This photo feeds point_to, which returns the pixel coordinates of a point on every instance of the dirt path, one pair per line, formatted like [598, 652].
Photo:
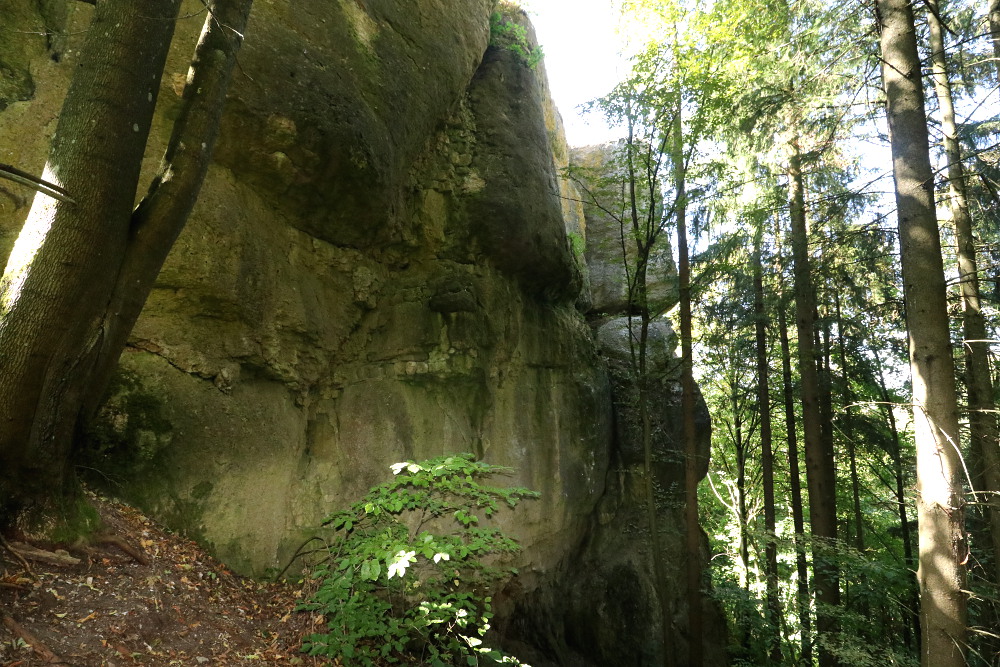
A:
[165, 603]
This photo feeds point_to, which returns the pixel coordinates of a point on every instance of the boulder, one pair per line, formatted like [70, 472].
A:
[602, 607]
[385, 263]
[609, 247]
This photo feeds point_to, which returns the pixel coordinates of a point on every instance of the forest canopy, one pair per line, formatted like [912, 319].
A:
[836, 170]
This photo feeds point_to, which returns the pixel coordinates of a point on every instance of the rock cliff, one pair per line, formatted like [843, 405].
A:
[384, 264]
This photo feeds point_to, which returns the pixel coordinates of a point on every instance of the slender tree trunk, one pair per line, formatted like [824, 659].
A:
[164, 211]
[994, 18]
[643, 235]
[819, 461]
[983, 436]
[774, 610]
[741, 486]
[795, 484]
[859, 529]
[904, 521]
[692, 458]
[824, 346]
[848, 398]
[940, 506]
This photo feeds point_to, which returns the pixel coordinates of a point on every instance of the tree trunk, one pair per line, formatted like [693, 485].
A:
[904, 522]
[983, 436]
[774, 611]
[819, 461]
[823, 348]
[55, 290]
[848, 398]
[71, 305]
[795, 484]
[741, 486]
[163, 212]
[940, 509]
[994, 17]
[692, 459]
[644, 236]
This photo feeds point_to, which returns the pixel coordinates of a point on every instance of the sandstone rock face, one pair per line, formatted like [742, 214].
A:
[376, 271]
[608, 240]
[602, 608]
[385, 263]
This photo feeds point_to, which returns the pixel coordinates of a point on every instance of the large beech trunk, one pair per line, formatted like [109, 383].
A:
[940, 506]
[80, 272]
[63, 268]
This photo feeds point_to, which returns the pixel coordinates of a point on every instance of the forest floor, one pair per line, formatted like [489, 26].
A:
[142, 596]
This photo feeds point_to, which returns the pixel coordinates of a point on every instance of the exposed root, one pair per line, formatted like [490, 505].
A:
[36, 645]
[26, 551]
[13, 586]
[19, 557]
[136, 555]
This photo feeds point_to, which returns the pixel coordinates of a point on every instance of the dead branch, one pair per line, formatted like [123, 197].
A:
[19, 557]
[26, 551]
[136, 555]
[37, 646]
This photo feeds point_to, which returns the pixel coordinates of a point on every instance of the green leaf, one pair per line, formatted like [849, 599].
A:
[364, 629]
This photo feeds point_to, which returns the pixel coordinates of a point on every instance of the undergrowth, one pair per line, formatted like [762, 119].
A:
[408, 574]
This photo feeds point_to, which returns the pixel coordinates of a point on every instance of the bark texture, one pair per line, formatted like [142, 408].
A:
[994, 18]
[943, 549]
[983, 436]
[55, 290]
[795, 489]
[819, 457]
[692, 464]
[92, 264]
[767, 452]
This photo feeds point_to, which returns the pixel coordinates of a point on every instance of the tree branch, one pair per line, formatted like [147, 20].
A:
[161, 215]
[24, 178]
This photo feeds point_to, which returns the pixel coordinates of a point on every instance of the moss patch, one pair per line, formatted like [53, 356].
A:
[74, 521]
[128, 432]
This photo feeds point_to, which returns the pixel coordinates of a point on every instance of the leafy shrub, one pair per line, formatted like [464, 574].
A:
[404, 578]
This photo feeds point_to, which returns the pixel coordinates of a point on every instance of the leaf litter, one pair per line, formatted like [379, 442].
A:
[143, 596]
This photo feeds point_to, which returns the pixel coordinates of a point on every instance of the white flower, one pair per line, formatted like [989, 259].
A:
[400, 562]
[438, 557]
[397, 468]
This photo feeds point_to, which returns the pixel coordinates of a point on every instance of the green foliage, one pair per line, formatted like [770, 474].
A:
[129, 430]
[748, 627]
[408, 574]
[506, 33]
[75, 519]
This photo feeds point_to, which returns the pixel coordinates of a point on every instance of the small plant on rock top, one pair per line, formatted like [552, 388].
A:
[507, 33]
[404, 578]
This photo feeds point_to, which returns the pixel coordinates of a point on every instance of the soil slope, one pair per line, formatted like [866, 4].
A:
[142, 596]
